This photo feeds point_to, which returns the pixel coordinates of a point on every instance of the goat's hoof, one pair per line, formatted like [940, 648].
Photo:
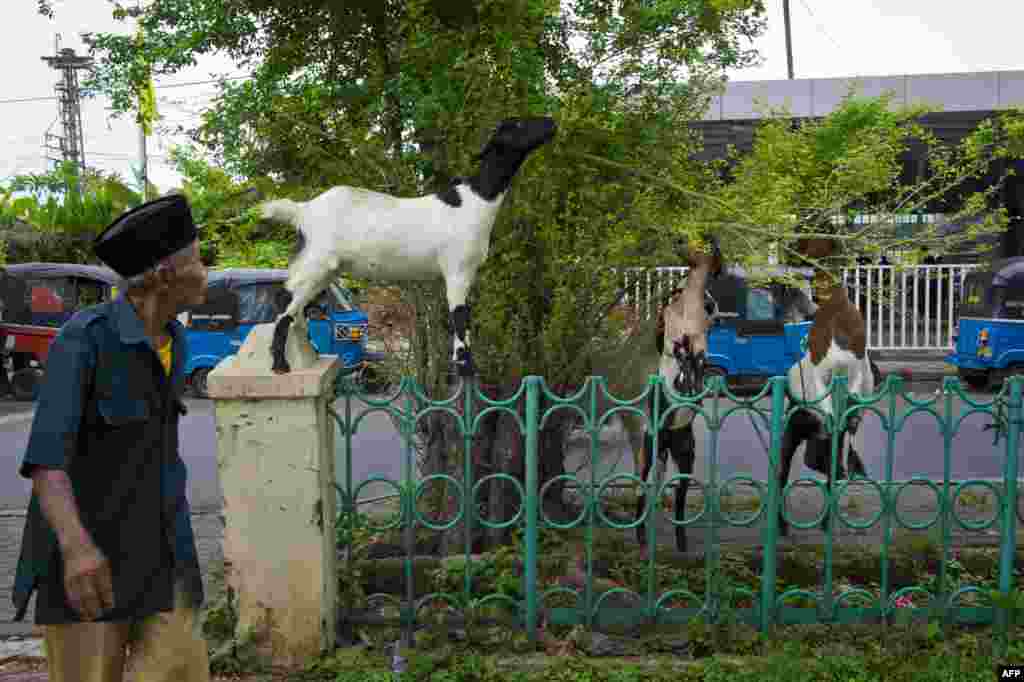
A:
[280, 365]
[277, 345]
[855, 465]
[464, 362]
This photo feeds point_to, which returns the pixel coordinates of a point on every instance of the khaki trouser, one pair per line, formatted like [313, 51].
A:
[165, 647]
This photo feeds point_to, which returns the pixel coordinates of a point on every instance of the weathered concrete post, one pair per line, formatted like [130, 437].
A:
[275, 454]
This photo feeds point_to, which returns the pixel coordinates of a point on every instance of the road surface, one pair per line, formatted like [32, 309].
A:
[378, 450]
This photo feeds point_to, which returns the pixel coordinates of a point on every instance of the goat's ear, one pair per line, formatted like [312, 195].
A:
[483, 152]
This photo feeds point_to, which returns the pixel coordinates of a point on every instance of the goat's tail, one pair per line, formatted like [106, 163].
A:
[285, 210]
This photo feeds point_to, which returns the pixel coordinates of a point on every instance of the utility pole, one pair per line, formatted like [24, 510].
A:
[143, 159]
[789, 38]
[143, 156]
[71, 145]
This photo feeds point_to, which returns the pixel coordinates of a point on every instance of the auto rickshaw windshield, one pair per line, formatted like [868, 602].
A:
[342, 298]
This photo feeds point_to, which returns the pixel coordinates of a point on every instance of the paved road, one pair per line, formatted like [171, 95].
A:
[198, 449]
[378, 450]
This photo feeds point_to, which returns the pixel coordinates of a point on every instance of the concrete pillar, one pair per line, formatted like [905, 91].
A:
[275, 454]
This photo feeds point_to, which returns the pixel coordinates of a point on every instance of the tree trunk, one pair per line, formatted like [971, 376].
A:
[1013, 198]
[507, 457]
[551, 463]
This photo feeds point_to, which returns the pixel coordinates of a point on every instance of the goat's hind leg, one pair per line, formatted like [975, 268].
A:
[684, 452]
[791, 439]
[646, 458]
[303, 293]
[277, 346]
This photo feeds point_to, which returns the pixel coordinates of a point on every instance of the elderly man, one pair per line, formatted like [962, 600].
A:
[108, 541]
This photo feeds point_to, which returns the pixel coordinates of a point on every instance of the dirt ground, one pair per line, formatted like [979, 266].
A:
[34, 670]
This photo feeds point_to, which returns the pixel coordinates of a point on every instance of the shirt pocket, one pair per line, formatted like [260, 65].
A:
[124, 410]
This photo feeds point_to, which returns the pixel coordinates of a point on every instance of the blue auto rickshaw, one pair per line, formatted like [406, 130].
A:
[238, 299]
[761, 322]
[988, 341]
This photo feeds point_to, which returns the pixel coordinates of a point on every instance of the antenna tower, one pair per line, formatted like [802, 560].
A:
[70, 146]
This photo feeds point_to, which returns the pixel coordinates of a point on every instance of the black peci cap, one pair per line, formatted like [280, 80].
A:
[143, 236]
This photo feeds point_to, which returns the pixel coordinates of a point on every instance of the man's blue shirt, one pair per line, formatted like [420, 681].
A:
[111, 331]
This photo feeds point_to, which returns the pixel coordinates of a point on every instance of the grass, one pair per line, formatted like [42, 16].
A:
[726, 650]
[795, 654]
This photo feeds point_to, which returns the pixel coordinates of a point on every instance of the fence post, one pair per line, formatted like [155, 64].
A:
[532, 513]
[1008, 550]
[770, 558]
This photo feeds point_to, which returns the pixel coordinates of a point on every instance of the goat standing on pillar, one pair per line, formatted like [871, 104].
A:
[379, 236]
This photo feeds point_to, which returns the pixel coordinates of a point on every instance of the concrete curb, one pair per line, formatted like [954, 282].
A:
[22, 629]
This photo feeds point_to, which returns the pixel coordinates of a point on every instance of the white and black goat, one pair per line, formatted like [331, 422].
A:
[378, 236]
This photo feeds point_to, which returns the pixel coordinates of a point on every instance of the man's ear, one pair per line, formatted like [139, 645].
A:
[166, 277]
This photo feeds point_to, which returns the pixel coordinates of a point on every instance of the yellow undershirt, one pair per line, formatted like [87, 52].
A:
[165, 356]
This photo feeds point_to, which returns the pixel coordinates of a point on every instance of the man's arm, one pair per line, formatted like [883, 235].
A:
[57, 501]
[51, 446]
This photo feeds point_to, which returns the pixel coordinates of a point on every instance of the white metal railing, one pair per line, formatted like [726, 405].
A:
[904, 309]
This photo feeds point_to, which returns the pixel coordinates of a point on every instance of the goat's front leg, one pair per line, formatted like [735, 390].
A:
[862, 382]
[806, 385]
[818, 389]
[458, 288]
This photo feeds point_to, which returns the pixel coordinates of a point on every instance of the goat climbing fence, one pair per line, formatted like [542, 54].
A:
[904, 308]
[535, 599]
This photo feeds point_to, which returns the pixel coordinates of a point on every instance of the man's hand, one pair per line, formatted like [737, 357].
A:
[87, 576]
[87, 580]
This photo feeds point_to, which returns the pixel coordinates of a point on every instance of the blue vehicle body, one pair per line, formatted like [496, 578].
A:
[757, 332]
[239, 299]
[988, 344]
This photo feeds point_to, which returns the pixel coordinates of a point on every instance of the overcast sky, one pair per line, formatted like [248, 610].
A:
[831, 38]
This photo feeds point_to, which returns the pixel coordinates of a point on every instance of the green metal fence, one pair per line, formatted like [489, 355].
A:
[534, 403]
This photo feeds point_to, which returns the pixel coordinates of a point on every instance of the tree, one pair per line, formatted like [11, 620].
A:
[812, 179]
[63, 209]
[398, 95]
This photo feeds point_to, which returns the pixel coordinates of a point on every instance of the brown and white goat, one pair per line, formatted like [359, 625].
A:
[837, 340]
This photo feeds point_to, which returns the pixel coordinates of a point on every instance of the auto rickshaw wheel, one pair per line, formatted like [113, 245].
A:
[1015, 369]
[198, 382]
[25, 383]
[374, 380]
[979, 381]
[877, 374]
